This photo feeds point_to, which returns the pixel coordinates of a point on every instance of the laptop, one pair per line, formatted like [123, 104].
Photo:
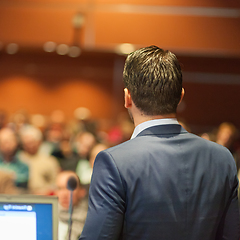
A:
[28, 217]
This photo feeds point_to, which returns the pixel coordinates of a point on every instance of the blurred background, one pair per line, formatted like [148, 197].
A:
[61, 90]
[68, 56]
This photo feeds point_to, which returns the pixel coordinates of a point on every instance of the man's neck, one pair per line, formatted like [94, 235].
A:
[143, 118]
[139, 117]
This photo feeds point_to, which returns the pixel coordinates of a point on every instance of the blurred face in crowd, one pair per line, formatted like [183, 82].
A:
[8, 142]
[54, 134]
[30, 144]
[95, 150]
[65, 147]
[84, 143]
[225, 135]
[64, 194]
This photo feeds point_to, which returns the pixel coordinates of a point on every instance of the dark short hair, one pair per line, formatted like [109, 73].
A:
[154, 78]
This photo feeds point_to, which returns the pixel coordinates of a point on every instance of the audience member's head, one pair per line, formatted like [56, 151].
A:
[31, 139]
[94, 152]
[84, 142]
[54, 133]
[8, 143]
[226, 134]
[19, 119]
[63, 192]
[205, 135]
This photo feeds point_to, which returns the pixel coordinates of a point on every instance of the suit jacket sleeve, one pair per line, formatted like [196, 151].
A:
[106, 201]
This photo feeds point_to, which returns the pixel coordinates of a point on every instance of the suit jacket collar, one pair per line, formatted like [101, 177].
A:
[169, 129]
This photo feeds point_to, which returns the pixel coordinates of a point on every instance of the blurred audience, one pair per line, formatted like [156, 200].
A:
[208, 136]
[19, 119]
[84, 141]
[7, 183]
[85, 167]
[67, 157]
[35, 148]
[9, 161]
[122, 130]
[79, 203]
[226, 135]
[83, 122]
[43, 169]
[53, 135]
[53, 132]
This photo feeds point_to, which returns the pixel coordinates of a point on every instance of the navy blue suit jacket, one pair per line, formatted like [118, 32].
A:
[164, 184]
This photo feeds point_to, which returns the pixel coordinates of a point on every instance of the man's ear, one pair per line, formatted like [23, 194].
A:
[182, 95]
[127, 98]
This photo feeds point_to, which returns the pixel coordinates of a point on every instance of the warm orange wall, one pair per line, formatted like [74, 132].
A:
[41, 82]
[173, 32]
[19, 92]
[106, 24]
[213, 3]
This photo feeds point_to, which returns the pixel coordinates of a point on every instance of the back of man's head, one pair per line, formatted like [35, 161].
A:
[154, 78]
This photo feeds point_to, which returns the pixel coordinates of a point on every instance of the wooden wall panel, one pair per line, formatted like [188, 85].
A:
[41, 83]
[202, 3]
[206, 27]
[208, 105]
[204, 35]
[33, 26]
[19, 92]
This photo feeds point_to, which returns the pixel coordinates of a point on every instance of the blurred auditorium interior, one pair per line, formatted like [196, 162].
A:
[66, 54]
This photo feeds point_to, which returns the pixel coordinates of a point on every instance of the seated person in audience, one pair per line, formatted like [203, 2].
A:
[43, 169]
[85, 167]
[52, 135]
[83, 143]
[207, 135]
[67, 158]
[79, 202]
[7, 183]
[9, 161]
[226, 136]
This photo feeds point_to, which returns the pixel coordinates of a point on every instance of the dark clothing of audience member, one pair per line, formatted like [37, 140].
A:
[9, 160]
[67, 158]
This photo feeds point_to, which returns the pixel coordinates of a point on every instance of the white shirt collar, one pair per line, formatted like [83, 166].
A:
[139, 128]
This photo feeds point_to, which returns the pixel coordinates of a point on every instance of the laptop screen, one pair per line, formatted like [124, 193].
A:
[28, 217]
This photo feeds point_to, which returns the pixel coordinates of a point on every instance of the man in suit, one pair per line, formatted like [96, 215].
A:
[164, 183]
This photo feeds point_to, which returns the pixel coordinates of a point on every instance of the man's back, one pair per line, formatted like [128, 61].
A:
[165, 185]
